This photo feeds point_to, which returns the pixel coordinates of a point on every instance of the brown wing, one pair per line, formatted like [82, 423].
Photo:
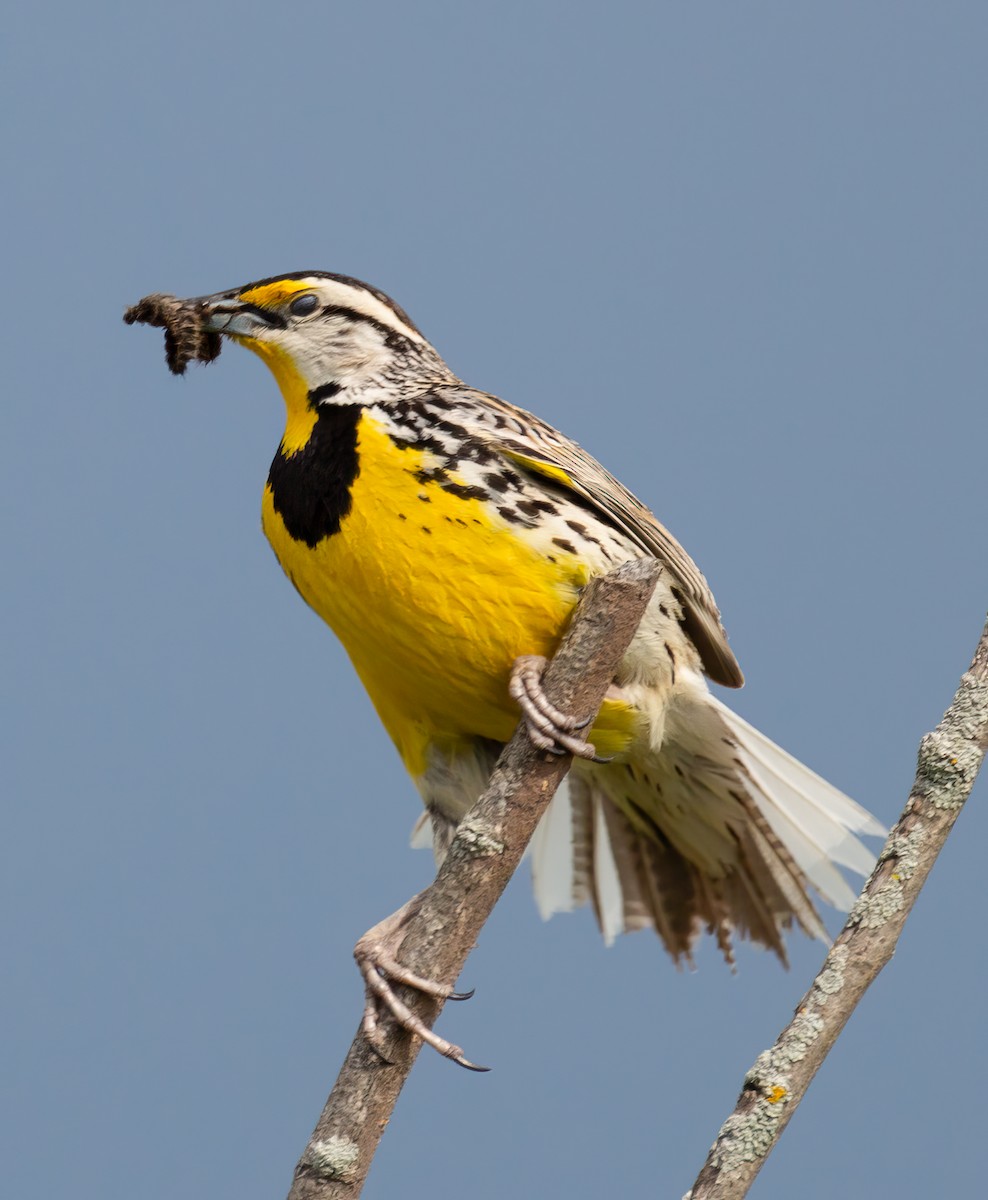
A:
[536, 447]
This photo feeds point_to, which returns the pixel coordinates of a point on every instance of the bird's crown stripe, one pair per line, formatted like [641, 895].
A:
[270, 295]
[336, 294]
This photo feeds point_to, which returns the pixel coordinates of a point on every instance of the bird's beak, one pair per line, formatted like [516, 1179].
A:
[227, 313]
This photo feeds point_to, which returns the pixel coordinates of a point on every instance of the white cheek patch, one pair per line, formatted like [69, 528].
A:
[334, 347]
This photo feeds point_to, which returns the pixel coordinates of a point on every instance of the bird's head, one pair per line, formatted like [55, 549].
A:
[323, 333]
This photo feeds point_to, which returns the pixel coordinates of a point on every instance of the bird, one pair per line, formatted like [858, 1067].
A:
[445, 536]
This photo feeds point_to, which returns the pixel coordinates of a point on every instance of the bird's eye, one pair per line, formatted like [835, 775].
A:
[301, 306]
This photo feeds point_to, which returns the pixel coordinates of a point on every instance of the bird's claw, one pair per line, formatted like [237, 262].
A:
[549, 728]
[382, 973]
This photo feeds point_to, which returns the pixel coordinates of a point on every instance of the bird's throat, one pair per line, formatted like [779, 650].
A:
[300, 413]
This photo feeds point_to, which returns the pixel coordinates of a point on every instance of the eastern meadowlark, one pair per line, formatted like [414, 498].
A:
[445, 536]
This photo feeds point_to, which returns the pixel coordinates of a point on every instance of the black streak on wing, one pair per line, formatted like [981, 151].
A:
[311, 488]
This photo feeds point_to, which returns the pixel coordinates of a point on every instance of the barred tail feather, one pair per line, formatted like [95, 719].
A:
[720, 830]
[575, 858]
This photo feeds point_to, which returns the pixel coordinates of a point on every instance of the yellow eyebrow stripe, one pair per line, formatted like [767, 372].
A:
[270, 295]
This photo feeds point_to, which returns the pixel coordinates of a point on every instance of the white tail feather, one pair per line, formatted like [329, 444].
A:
[607, 881]
[551, 850]
[814, 820]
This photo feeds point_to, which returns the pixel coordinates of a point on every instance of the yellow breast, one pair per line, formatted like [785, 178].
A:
[433, 595]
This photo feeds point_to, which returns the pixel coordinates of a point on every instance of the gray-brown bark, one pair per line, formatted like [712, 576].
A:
[949, 760]
[488, 846]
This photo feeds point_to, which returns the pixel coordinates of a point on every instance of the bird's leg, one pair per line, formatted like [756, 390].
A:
[548, 727]
[375, 955]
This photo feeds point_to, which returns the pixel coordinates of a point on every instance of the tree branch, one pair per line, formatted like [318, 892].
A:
[949, 760]
[488, 846]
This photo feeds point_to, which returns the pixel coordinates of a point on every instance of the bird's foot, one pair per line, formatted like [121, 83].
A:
[549, 728]
[375, 956]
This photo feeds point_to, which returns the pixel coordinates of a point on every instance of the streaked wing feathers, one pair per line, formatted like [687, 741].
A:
[535, 446]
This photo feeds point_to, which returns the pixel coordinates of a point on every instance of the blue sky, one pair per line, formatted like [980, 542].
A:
[737, 251]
